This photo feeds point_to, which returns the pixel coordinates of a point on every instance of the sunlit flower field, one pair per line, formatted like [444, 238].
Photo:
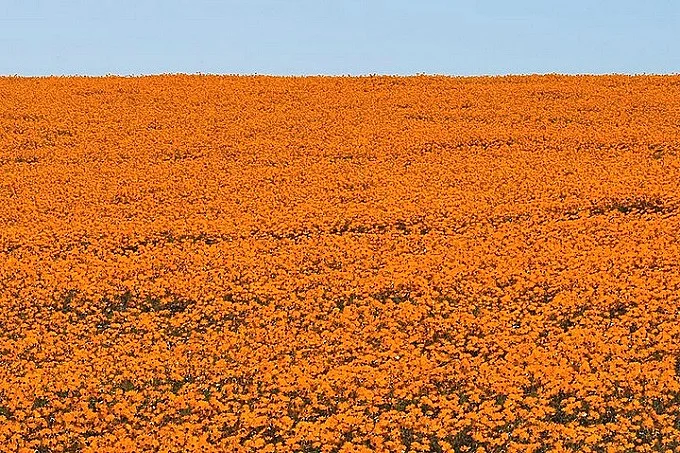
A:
[320, 264]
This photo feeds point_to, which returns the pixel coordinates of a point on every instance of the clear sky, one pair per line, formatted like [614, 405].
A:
[42, 37]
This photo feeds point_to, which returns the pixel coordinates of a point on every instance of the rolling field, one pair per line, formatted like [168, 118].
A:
[421, 264]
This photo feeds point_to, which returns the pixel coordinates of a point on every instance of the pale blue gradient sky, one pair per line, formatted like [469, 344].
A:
[292, 37]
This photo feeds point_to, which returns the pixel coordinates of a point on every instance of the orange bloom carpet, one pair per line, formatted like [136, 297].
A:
[419, 264]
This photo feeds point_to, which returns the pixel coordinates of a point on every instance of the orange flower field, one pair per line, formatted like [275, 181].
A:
[340, 264]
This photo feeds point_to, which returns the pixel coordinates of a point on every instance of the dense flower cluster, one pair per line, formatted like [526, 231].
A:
[201, 263]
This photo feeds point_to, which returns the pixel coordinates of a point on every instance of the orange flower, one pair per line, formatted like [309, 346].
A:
[204, 263]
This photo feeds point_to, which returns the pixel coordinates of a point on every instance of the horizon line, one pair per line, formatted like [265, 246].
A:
[342, 75]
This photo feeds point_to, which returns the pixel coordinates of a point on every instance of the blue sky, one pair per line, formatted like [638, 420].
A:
[294, 37]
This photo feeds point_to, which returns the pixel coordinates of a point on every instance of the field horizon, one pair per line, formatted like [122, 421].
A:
[339, 76]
